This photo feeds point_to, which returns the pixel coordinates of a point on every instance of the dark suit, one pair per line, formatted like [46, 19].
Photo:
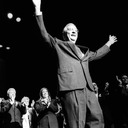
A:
[12, 114]
[46, 116]
[1, 117]
[75, 82]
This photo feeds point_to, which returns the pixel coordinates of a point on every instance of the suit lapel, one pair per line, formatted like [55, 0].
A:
[76, 49]
[85, 51]
[72, 47]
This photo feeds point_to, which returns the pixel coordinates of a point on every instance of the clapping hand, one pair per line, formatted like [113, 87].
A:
[12, 101]
[32, 104]
[1, 99]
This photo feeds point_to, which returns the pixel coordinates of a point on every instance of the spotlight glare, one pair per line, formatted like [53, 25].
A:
[18, 19]
[10, 15]
[7, 48]
[1, 45]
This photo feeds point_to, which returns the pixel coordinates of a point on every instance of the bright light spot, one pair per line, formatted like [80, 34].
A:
[1, 45]
[10, 15]
[7, 48]
[18, 19]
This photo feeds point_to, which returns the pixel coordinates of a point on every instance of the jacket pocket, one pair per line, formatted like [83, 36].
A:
[65, 70]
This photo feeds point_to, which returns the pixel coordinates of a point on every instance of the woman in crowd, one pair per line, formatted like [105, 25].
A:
[46, 109]
[29, 118]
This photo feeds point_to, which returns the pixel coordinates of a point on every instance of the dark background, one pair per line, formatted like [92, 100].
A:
[25, 65]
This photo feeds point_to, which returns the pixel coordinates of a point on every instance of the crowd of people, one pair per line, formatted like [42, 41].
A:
[47, 112]
[113, 100]
[43, 113]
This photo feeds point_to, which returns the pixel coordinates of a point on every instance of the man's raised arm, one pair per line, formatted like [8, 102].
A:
[39, 18]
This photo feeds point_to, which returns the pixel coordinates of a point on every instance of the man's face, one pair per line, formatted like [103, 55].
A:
[72, 32]
[125, 79]
[12, 94]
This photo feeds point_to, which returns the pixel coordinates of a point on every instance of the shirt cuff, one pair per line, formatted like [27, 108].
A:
[38, 12]
[109, 43]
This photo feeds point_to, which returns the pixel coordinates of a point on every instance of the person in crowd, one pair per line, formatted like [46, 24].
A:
[106, 90]
[2, 100]
[12, 110]
[122, 85]
[107, 102]
[33, 115]
[123, 98]
[79, 102]
[60, 114]
[46, 109]
[29, 118]
[96, 89]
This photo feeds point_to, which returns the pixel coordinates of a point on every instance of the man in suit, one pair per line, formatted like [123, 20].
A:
[1, 114]
[77, 94]
[12, 110]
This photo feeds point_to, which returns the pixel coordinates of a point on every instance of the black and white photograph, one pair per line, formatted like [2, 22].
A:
[63, 64]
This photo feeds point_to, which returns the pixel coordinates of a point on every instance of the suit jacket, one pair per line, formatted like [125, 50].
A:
[13, 114]
[73, 71]
[46, 116]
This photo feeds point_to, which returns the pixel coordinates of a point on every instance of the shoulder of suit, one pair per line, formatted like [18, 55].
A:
[59, 40]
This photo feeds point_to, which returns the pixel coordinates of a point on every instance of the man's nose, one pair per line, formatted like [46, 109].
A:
[73, 32]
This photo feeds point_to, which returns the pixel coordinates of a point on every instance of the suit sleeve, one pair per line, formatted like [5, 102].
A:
[99, 53]
[46, 36]
[53, 106]
[5, 106]
[21, 108]
[39, 107]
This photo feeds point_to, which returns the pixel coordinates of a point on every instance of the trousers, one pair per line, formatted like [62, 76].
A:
[81, 109]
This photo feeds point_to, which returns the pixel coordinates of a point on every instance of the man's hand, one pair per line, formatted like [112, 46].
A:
[112, 40]
[37, 3]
